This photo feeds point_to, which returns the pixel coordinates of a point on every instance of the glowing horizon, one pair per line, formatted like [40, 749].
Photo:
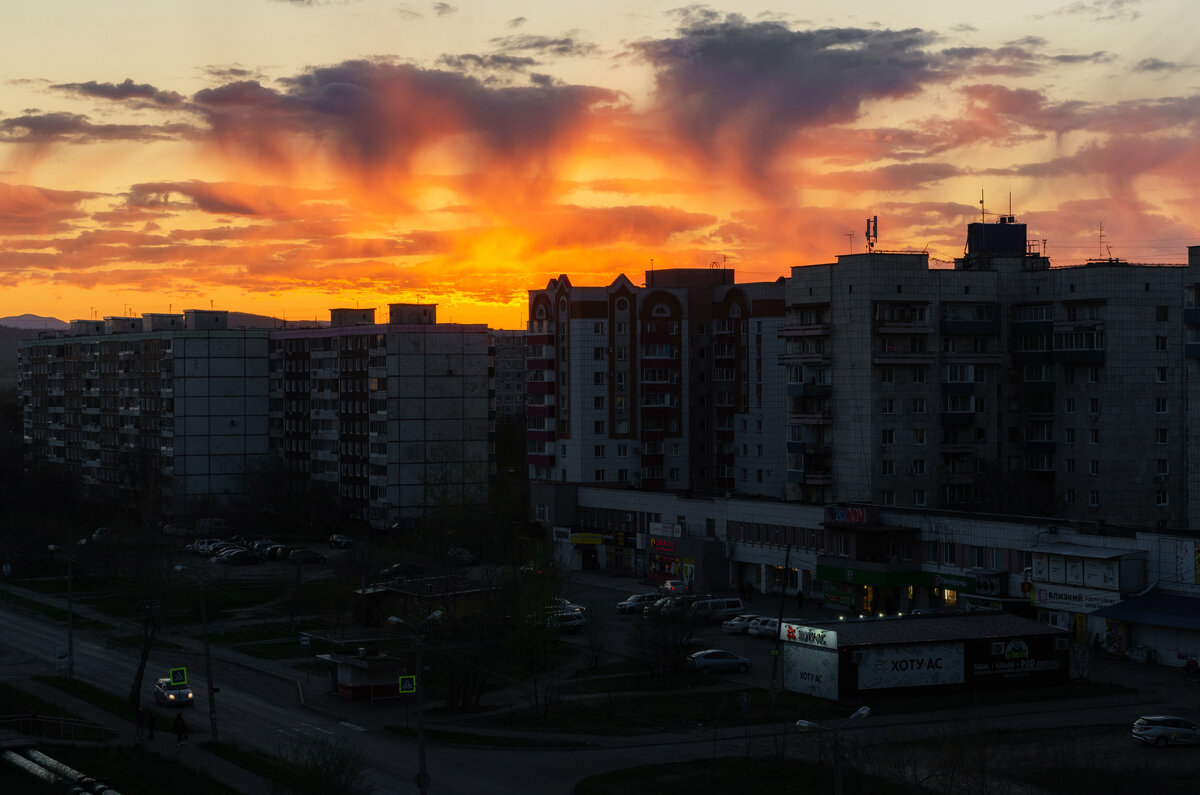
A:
[161, 159]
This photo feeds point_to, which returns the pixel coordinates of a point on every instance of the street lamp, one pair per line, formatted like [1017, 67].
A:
[861, 712]
[422, 777]
[70, 604]
[212, 701]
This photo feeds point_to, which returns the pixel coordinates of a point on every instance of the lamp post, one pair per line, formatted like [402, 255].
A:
[422, 777]
[861, 712]
[212, 701]
[70, 604]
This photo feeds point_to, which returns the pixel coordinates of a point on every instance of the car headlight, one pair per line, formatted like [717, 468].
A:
[171, 697]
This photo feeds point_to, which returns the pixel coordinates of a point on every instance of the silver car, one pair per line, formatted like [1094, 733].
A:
[738, 625]
[1164, 730]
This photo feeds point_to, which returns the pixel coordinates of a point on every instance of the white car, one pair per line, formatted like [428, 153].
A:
[763, 627]
[738, 625]
[1164, 730]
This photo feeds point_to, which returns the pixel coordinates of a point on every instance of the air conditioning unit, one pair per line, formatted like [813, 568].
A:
[997, 648]
[858, 657]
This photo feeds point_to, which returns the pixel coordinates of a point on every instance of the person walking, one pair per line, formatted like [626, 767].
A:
[180, 728]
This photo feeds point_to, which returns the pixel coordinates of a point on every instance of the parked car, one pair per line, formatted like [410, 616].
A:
[763, 627]
[738, 624]
[303, 556]
[400, 571]
[718, 661]
[172, 695]
[567, 620]
[1164, 730]
[714, 609]
[635, 602]
[671, 587]
[339, 541]
[559, 605]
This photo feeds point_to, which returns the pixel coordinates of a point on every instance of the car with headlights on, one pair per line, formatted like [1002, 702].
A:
[718, 661]
[1164, 730]
[170, 694]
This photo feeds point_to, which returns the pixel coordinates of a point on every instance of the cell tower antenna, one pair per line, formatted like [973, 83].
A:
[872, 232]
[982, 212]
[851, 236]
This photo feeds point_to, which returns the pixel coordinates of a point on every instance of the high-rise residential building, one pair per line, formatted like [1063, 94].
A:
[165, 410]
[508, 366]
[673, 385]
[395, 419]
[998, 384]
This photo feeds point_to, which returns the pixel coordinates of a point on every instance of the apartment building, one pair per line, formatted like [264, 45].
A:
[508, 365]
[1000, 384]
[673, 385]
[395, 419]
[167, 410]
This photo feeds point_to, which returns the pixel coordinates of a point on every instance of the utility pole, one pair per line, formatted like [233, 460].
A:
[212, 701]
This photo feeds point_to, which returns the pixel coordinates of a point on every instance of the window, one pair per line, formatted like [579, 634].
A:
[1069, 496]
[598, 452]
[950, 552]
[1161, 499]
[598, 402]
[598, 378]
[1093, 499]
[673, 473]
[1093, 467]
[889, 497]
[918, 496]
[919, 436]
[1093, 375]
[1160, 435]
[1069, 464]
[887, 467]
[1162, 313]
[1160, 343]
[598, 327]
[1094, 436]
[918, 405]
[1093, 405]
[932, 554]
[598, 476]
[918, 467]
[1162, 467]
[1160, 405]
[622, 328]
[623, 475]
[1069, 436]
[1160, 375]
[889, 406]
[888, 436]
[598, 354]
[598, 426]
[918, 375]
[1070, 405]
[887, 375]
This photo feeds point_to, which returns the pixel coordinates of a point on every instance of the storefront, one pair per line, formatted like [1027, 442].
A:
[1069, 583]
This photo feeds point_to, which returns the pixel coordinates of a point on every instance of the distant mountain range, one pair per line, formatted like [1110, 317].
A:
[236, 320]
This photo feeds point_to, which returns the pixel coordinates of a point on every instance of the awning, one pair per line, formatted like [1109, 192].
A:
[1081, 551]
[1156, 609]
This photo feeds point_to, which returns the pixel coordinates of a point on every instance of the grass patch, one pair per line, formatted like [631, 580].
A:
[483, 740]
[269, 767]
[729, 777]
[57, 614]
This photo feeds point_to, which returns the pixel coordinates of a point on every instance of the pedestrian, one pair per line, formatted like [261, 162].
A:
[180, 728]
[799, 598]
[149, 724]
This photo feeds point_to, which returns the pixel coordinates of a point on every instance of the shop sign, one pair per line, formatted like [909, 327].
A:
[1100, 573]
[662, 546]
[664, 529]
[910, 666]
[809, 636]
[839, 514]
[810, 670]
[587, 538]
[953, 582]
[1064, 597]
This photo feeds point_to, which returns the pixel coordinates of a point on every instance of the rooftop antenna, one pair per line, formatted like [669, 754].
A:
[872, 232]
[982, 213]
[851, 236]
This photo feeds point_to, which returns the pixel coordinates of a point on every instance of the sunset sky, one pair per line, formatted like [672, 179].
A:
[283, 158]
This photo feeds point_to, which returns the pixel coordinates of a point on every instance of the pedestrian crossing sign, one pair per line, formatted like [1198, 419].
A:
[408, 684]
[179, 676]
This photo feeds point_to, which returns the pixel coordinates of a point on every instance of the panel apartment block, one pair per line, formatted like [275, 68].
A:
[165, 409]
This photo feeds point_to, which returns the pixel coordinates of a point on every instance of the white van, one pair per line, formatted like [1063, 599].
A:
[715, 609]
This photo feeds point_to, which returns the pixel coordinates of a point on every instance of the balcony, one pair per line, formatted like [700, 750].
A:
[817, 418]
[957, 419]
[805, 330]
[971, 327]
[898, 357]
[1091, 356]
[810, 389]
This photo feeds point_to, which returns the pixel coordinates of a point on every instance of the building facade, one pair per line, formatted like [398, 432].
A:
[169, 410]
[673, 385]
[508, 365]
[395, 419]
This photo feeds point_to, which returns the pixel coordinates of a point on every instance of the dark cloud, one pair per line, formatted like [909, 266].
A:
[730, 84]
[380, 114]
[210, 197]
[567, 46]
[1101, 10]
[443, 9]
[516, 22]
[469, 63]
[1155, 65]
[123, 92]
[46, 128]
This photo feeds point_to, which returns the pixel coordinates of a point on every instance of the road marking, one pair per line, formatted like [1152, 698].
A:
[354, 726]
